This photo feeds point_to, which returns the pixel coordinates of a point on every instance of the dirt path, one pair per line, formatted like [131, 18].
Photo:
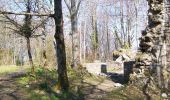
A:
[96, 90]
[92, 89]
[9, 89]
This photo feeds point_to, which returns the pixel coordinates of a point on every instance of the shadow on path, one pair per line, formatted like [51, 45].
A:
[117, 78]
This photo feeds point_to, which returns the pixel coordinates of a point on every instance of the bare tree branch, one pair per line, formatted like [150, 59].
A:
[12, 21]
[16, 31]
[78, 5]
[40, 24]
[35, 36]
[24, 13]
[68, 6]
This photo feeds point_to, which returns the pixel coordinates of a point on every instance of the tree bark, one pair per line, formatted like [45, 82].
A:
[95, 37]
[73, 8]
[75, 35]
[60, 46]
[108, 43]
[43, 38]
[29, 53]
[123, 36]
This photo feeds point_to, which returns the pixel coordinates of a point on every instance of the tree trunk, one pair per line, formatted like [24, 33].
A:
[29, 53]
[95, 37]
[128, 25]
[118, 40]
[84, 43]
[60, 46]
[123, 36]
[75, 36]
[108, 43]
[73, 9]
[26, 30]
[43, 38]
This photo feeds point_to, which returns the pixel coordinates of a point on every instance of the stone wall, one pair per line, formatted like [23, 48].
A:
[111, 67]
[166, 69]
[99, 67]
[96, 68]
[154, 44]
[151, 37]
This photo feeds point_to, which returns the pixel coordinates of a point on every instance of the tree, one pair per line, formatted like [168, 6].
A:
[73, 7]
[63, 83]
[60, 46]
[95, 41]
[25, 30]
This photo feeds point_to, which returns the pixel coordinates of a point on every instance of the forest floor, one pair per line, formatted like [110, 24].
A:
[17, 85]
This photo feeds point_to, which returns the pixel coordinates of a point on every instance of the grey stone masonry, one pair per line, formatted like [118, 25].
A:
[166, 68]
[152, 36]
[99, 67]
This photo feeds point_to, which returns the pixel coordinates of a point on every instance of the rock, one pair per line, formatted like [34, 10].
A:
[118, 85]
[119, 59]
[102, 74]
[97, 61]
[164, 95]
[27, 86]
[125, 57]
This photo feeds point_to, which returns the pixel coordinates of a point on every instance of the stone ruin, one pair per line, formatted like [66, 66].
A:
[154, 58]
[154, 43]
[111, 68]
[96, 68]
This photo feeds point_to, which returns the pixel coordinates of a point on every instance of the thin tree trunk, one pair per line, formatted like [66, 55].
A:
[123, 36]
[76, 46]
[95, 37]
[108, 43]
[60, 46]
[45, 58]
[84, 43]
[73, 9]
[29, 53]
[128, 25]
[80, 34]
[118, 39]
[75, 36]
[26, 29]
[44, 46]
[136, 15]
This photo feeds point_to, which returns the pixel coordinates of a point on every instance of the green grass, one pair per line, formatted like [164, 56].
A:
[125, 93]
[36, 87]
[40, 86]
[131, 92]
[5, 69]
[23, 80]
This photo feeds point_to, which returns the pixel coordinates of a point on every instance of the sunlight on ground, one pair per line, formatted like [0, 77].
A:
[5, 69]
[88, 87]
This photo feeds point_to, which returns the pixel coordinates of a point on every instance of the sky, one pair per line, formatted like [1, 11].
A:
[103, 8]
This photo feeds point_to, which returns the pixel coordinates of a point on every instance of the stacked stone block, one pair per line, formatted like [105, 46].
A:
[152, 37]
